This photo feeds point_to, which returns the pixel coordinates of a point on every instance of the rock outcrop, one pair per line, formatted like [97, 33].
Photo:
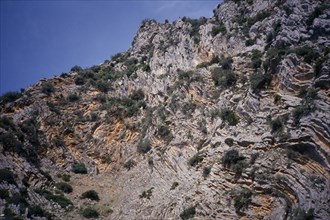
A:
[213, 118]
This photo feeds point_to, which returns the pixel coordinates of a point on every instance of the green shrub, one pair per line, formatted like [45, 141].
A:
[16, 199]
[46, 174]
[174, 185]
[47, 88]
[164, 132]
[316, 13]
[146, 194]
[276, 125]
[66, 177]
[241, 20]
[215, 59]
[259, 17]
[309, 96]
[4, 194]
[301, 214]
[221, 28]
[254, 158]
[277, 98]
[118, 57]
[90, 194]
[288, 10]
[129, 164]
[10, 143]
[206, 171]
[196, 159]
[143, 146]
[101, 85]
[6, 123]
[79, 168]
[124, 107]
[318, 65]
[79, 80]
[188, 108]
[145, 67]
[229, 141]
[195, 25]
[188, 213]
[76, 69]
[7, 175]
[221, 77]
[307, 53]
[73, 97]
[137, 95]
[95, 68]
[59, 199]
[259, 81]
[10, 97]
[230, 157]
[215, 113]
[256, 59]
[64, 187]
[29, 127]
[243, 199]
[203, 65]
[229, 116]
[184, 76]
[36, 210]
[238, 167]
[90, 213]
[226, 62]
[250, 42]
[299, 112]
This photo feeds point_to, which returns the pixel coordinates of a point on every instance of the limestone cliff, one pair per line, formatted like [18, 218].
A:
[213, 118]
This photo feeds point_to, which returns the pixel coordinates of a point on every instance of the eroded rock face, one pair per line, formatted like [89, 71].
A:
[228, 116]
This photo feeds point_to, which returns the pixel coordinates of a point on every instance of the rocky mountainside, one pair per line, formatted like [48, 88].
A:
[213, 118]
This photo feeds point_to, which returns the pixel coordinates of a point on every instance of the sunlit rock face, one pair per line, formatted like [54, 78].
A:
[213, 118]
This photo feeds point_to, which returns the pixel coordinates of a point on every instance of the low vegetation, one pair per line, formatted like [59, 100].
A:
[206, 171]
[36, 210]
[7, 175]
[229, 141]
[79, 168]
[277, 125]
[188, 213]
[59, 199]
[234, 161]
[223, 77]
[220, 28]
[64, 187]
[47, 88]
[174, 185]
[259, 81]
[316, 13]
[301, 214]
[256, 59]
[242, 199]
[165, 133]
[129, 164]
[90, 213]
[90, 194]
[195, 26]
[10, 97]
[307, 53]
[146, 194]
[143, 146]
[229, 116]
[196, 159]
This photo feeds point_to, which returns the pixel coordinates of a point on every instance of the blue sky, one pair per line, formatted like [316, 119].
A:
[40, 39]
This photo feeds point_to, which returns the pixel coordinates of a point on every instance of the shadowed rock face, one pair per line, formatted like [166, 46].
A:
[219, 118]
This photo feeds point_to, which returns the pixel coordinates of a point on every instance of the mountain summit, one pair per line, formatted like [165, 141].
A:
[213, 118]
